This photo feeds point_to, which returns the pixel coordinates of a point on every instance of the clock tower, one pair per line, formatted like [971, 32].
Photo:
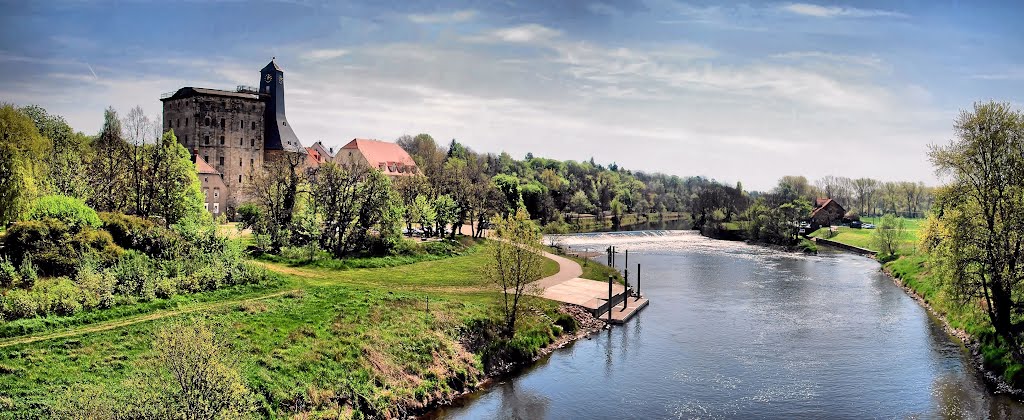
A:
[278, 134]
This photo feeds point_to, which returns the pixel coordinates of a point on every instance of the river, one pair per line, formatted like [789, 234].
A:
[741, 331]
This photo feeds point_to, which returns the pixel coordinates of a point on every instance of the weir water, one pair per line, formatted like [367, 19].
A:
[740, 331]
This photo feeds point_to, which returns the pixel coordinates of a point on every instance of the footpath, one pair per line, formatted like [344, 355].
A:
[566, 286]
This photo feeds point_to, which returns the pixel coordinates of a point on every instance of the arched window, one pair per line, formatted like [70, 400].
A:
[241, 125]
[206, 121]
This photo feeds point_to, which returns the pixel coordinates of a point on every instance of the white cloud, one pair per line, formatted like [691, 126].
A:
[530, 33]
[453, 17]
[324, 54]
[815, 10]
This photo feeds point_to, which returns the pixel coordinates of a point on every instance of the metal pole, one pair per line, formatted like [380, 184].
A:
[638, 280]
[610, 298]
[625, 277]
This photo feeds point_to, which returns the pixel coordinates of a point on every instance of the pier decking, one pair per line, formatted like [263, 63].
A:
[566, 286]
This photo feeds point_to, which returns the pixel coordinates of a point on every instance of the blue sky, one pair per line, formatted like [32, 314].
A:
[735, 91]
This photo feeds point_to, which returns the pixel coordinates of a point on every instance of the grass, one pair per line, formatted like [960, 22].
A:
[348, 338]
[864, 238]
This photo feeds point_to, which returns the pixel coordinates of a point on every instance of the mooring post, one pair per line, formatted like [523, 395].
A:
[625, 278]
[638, 280]
[610, 278]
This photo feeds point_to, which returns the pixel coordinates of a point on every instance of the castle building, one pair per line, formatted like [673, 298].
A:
[233, 131]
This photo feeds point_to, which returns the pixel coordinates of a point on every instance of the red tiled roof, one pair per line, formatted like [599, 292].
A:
[824, 204]
[204, 168]
[313, 157]
[377, 152]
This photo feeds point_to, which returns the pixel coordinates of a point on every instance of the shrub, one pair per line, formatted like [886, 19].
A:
[69, 210]
[19, 304]
[63, 297]
[165, 287]
[96, 289]
[249, 215]
[136, 233]
[55, 248]
[27, 273]
[133, 274]
[8, 274]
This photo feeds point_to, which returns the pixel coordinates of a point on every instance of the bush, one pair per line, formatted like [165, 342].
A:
[249, 215]
[136, 233]
[63, 297]
[96, 289]
[19, 304]
[165, 287]
[134, 275]
[27, 273]
[69, 210]
[55, 248]
[8, 274]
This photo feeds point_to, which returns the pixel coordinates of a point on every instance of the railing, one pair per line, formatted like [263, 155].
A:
[246, 89]
[168, 94]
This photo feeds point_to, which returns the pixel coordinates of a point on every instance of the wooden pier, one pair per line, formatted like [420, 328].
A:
[598, 297]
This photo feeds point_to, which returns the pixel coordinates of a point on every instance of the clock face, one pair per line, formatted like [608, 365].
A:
[269, 77]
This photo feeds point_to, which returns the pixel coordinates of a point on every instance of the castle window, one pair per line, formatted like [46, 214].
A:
[186, 122]
[241, 125]
[221, 139]
[252, 142]
[206, 121]
[254, 125]
[216, 208]
[206, 139]
[216, 193]
[239, 179]
[239, 141]
[185, 137]
[221, 123]
[170, 124]
[239, 164]
[252, 163]
[206, 158]
[179, 122]
[222, 161]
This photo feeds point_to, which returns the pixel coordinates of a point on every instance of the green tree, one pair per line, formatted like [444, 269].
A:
[68, 154]
[888, 234]
[174, 188]
[515, 263]
[21, 157]
[979, 237]
[446, 212]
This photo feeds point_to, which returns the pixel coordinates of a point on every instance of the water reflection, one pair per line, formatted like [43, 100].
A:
[742, 331]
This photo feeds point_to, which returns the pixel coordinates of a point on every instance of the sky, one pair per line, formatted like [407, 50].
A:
[745, 91]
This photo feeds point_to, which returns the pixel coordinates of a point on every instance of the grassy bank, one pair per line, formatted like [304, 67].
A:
[379, 341]
[864, 238]
[916, 271]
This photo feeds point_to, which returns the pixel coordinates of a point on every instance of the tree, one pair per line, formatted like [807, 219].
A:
[864, 192]
[888, 235]
[335, 192]
[515, 263]
[978, 232]
[446, 212]
[275, 187]
[107, 171]
[21, 152]
[68, 155]
[173, 187]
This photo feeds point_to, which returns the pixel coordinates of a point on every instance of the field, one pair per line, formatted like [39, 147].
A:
[863, 238]
[322, 340]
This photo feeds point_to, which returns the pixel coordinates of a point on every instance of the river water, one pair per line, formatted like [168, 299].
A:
[740, 331]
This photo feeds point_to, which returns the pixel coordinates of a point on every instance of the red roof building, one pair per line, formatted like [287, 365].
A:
[215, 192]
[827, 212]
[386, 157]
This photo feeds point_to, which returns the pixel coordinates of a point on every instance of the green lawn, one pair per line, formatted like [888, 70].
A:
[342, 338]
[864, 238]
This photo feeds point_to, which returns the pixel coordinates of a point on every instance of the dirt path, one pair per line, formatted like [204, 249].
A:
[567, 270]
[122, 322]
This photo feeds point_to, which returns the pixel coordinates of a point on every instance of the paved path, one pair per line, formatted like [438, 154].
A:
[567, 270]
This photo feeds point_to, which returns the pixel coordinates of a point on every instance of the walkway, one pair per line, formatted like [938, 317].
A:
[566, 286]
